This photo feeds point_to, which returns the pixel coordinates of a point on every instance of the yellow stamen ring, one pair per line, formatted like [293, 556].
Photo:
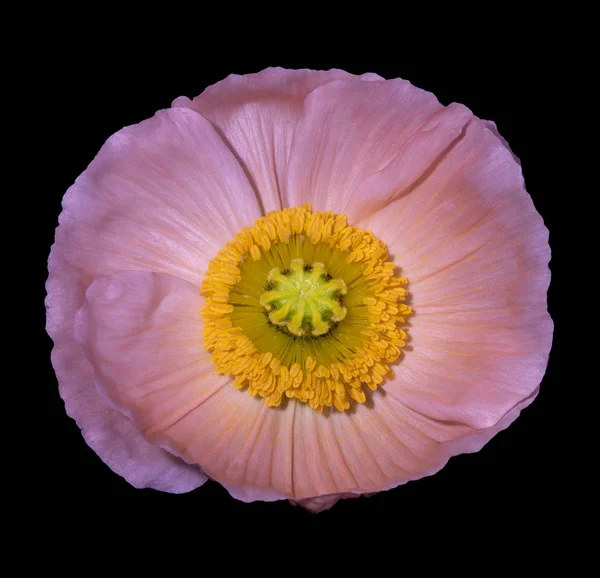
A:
[302, 305]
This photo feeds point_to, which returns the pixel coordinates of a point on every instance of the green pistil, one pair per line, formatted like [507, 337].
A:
[303, 300]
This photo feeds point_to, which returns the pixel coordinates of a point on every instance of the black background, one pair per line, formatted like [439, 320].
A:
[86, 92]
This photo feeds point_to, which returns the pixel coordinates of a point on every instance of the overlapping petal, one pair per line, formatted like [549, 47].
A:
[377, 447]
[142, 332]
[161, 196]
[359, 144]
[257, 114]
[476, 253]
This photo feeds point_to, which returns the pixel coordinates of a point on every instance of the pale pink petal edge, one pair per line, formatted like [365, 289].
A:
[463, 445]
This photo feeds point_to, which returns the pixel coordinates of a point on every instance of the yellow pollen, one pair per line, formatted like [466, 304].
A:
[304, 306]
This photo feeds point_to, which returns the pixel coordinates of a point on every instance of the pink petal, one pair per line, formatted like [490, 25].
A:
[240, 442]
[112, 435]
[142, 333]
[319, 503]
[360, 144]
[476, 254]
[376, 447]
[257, 115]
[163, 195]
[322, 503]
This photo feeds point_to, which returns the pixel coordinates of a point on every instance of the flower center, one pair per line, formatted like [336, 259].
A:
[303, 306]
[303, 300]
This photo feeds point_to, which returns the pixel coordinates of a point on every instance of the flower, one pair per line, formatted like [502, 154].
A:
[304, 285]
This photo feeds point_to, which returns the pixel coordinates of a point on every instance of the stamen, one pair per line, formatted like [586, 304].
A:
[303, 306]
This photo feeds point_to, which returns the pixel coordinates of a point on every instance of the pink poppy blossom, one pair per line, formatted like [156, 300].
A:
[303, 285]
